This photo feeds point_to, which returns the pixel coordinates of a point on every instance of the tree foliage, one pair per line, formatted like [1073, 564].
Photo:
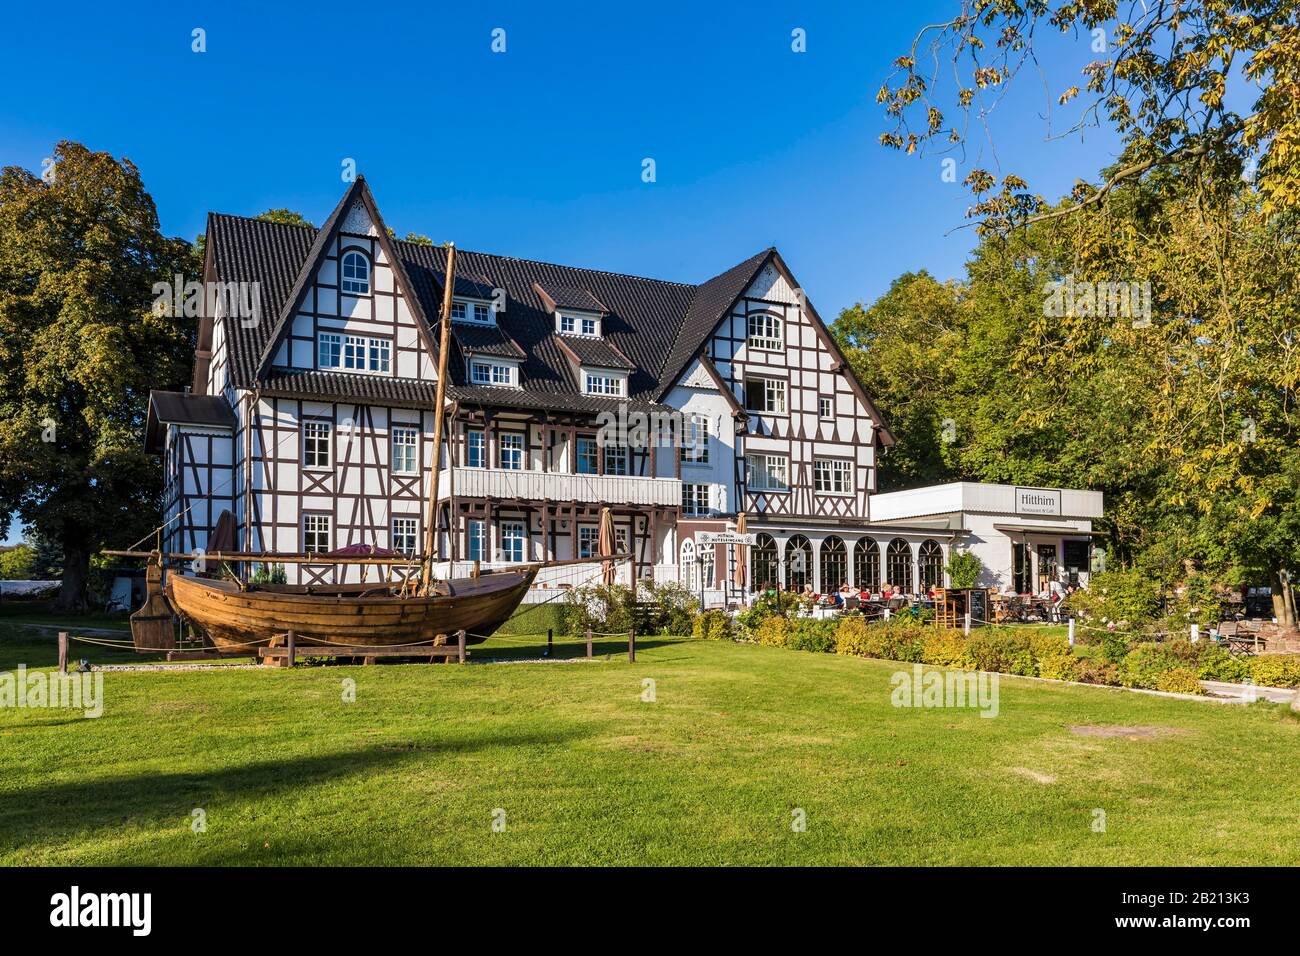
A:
[80, 348]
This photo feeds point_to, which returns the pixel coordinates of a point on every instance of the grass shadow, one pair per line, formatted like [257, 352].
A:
[51, 813]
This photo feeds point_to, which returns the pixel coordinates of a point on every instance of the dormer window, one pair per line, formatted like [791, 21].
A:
[356, 273]
[575, 323]
[599, 382]
[501, 374]
[478, 313]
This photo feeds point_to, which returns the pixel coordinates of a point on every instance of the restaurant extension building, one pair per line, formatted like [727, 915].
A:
[309, 423]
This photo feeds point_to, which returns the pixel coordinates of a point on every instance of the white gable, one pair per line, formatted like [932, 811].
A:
[697, 376]
[772, 286]
[358, 221]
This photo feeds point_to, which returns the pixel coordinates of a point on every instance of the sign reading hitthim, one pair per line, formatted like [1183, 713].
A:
[1038, 501]
[705, 538]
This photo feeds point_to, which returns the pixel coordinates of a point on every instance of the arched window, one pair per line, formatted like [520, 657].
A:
[834, 564]
[898, 564]
[766, 563]
[356, 273]
[931, 564]
[866, 565]
[686, 571]
[798, 554]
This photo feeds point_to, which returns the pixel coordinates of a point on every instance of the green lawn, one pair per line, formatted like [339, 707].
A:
[710, 773]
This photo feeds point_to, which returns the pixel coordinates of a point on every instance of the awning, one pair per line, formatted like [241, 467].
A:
[1058, 530]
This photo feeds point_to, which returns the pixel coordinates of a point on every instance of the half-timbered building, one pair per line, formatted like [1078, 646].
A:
[308, 426]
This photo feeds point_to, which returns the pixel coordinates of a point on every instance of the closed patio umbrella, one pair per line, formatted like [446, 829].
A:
[738, 577]
[605, 544]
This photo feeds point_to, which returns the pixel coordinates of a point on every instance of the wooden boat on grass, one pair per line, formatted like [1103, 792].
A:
[241, 619]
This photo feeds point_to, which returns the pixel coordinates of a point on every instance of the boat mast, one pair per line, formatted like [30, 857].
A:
[444, 346]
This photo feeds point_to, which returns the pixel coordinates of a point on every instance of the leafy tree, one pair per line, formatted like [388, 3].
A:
[287, 217]
[18, 563]
[80, 347]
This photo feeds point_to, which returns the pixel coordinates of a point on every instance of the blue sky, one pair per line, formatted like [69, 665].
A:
[537, 152]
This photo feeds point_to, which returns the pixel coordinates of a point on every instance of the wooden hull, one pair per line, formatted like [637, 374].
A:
[355, 615]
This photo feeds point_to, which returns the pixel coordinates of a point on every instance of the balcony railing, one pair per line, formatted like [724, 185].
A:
[560, 486]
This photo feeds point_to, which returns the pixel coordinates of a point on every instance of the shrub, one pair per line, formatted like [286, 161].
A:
[810, 635]
[991, 649]
[1146, 663]
[1059, 667]
[666, 608]
[601, 607]
[853, 637]
[1094, 671]
[963, 569]
[1125, 598]
[1276, 670]
[1179, 680]
[945, 648]
[1217, 664]
[783, 603]
[901, 641]
[773, 631]
[713, 626]
[1197, 603]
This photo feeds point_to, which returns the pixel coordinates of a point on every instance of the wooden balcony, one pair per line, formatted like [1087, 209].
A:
[506, 483]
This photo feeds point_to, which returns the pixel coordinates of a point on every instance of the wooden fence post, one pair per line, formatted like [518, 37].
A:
[550, 634]
[588, 642]
[1072, 632]
[631, 647]
[460, 646]
[63, 652]
[291, 643]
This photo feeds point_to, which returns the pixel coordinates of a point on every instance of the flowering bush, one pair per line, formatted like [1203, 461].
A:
[1123, 600]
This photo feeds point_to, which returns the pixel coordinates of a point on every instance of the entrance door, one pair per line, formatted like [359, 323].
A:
[1046, 566]
[1020, 572]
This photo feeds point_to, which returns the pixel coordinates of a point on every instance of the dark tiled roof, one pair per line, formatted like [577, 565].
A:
[182, 408]
[349, 387]
[568, 297]
[546, 401]
[594, 352]
[485, 340]
[651, 327]
[710, 302]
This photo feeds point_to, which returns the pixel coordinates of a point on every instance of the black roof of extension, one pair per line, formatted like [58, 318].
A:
[183, 408]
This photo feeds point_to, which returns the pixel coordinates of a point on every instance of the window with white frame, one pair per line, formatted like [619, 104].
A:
[586, 462]
[768, 472]
[587, 326]
[514, 541]
[355, 353]
[356, 273]
[476, 449]
[316, 534]
[329, 350]
[765, 331]
[316, 444]
[404, 443]
[695, 499]
[825, 408]
[695, 440]
[832, 476]
[405, 534]
[479, 313]
[510, 451]
[491, 373]
[620, 540]
[602, 383]
[588, 541]
[765, 395]
[476, 540]
[616, 459]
